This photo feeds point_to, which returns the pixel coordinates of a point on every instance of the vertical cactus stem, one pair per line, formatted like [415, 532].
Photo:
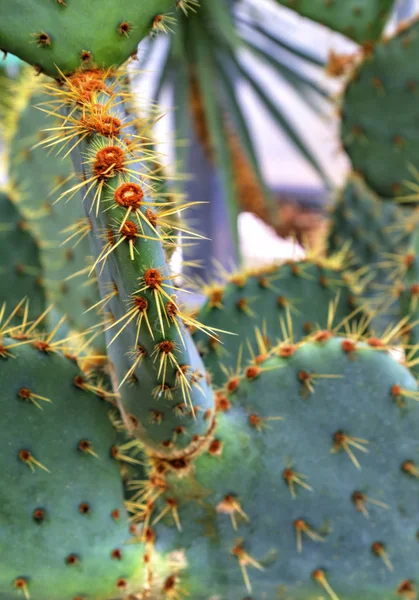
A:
[156, 365]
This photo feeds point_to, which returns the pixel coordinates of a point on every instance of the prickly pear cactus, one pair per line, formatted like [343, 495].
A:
[409, 296]
[307, 489]
[292, 299]
[380, 112]
[35, 176]
[373, 233]
[163, 391]
[361, 20]
[21, 274]
[70, 34]
[64, 527]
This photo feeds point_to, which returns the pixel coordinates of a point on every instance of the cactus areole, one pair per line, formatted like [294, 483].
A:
[66, 35]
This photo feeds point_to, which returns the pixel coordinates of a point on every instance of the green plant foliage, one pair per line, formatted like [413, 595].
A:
[69, 35]
[21, 274]
[291, 299]
[379, 114]
[361, 20]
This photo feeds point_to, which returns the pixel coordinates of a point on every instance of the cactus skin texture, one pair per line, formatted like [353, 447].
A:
[409, 302]
[164, 395]
[361, 20]
[34, 175]
[320, 504]
[307, 293]
[382, 142]
[21, 272]
[373, 231]
[70, 35]
[64, 527]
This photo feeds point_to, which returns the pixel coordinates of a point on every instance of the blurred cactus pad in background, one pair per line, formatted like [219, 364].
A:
[178, 422]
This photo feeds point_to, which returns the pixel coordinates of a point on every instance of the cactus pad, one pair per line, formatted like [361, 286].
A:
[309, 292]
[372, 231]
[320, 504]
[35, 176]
[361, 20]
[63, 524]
[70, 34]
[21, 272]
[380, 112]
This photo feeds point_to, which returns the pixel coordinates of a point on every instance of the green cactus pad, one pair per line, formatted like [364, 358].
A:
[35, 176]
[361, 20]
[63, 524]
[372, 231]
[380, 112]
[409, 301]
[21, 274]
[72, 34]
[307, 291]
[320, 504]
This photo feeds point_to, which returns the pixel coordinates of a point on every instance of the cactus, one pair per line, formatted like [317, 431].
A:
[63, 520]
[21, 272]
[409, 301]
[296, 478]
[74, 35]
[292, 299]
[164, 396]
[379, 138]
[33, 178]
[361, 20]
[372, 232]
[308, 485]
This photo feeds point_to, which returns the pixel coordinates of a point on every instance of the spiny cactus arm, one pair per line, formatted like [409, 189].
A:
[21, 273]
[65, 529]
[362, 21]
[302, 485]
[62, 36]
[165, 398]
[381, 141]
[290, 300]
